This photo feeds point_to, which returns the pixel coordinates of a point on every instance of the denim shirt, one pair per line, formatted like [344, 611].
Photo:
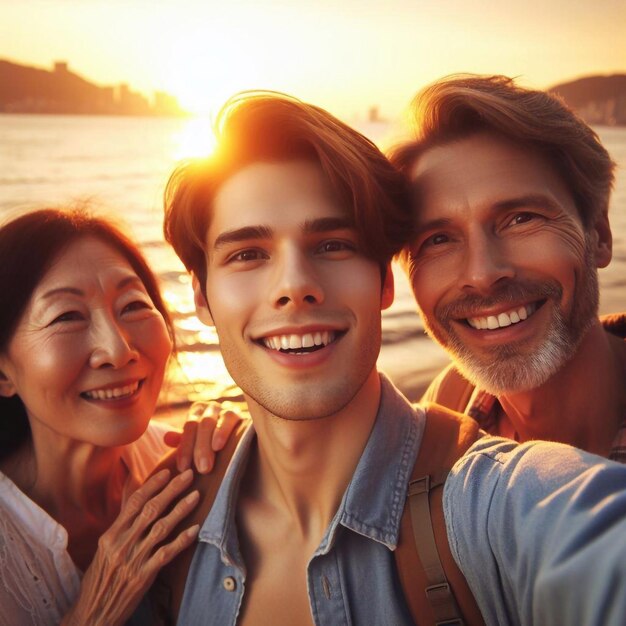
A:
[351, 577]
[538, 530]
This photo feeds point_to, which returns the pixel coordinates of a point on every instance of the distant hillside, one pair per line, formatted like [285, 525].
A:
[597, 99]
[25, 89]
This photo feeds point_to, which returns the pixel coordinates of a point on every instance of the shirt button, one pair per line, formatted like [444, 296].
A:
[230, 584]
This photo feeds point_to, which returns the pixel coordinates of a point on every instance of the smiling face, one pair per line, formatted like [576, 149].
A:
[88, 355]
[501, 267]
[295, 304]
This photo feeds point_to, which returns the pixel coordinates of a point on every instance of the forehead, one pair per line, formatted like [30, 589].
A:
[273, 194]
[87, 258]
[481, 171]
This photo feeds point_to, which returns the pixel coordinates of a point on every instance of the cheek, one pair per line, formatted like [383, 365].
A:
[49, 368]
[157, 343]
[557, 253]
[429, 282]
[235, 294]
[359, 283]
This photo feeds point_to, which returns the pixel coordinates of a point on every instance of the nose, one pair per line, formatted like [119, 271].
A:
[112, 345]
[486, 263]
[296, 281]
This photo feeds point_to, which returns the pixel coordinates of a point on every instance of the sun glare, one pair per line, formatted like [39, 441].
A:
[195, 139]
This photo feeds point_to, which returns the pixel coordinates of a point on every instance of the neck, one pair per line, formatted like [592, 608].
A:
[67, 478]
[583, 404]
[304, 467]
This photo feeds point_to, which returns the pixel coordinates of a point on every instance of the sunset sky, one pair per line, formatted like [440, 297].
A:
[345, 56]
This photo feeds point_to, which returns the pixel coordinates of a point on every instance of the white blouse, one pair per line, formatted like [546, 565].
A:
[38, 579]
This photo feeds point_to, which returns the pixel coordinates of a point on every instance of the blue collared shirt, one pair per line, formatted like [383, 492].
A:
[351, 577]
[538, 530]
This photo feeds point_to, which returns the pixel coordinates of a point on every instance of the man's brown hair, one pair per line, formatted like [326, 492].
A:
[274, 127]
[461, 105]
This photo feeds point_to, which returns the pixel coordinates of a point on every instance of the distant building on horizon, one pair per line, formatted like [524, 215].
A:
[25, 89]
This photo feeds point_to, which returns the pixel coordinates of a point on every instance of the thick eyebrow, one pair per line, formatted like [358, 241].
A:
[531, 200]
[528, 201]
[420, 227]
[242, 234]
[321, 225]
[127, 280]
[327, 224]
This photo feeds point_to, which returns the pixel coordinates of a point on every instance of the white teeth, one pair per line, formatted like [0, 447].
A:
[112, 394]
[504, 319]
[491, 322]
[295, 342]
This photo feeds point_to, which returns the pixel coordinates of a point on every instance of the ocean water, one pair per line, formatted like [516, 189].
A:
[120, 166]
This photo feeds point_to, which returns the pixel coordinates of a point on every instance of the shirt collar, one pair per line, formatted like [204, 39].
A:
[374, 500]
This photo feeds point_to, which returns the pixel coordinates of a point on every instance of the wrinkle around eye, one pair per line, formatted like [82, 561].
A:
[68, 317]
[524, 217]
[431, 243]
[137, 305]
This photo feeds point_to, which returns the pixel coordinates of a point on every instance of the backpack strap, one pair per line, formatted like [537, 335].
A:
[166, 593]
[450, 389]
[423, 556]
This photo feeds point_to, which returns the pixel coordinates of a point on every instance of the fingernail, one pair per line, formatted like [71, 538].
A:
[218, 443]
[203, 466]
[193, 531]
[192, 496]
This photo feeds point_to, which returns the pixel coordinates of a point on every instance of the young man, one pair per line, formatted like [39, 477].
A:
[288, 232]
[511, 204]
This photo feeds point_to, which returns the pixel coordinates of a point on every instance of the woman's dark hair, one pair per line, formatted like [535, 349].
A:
[28, 246]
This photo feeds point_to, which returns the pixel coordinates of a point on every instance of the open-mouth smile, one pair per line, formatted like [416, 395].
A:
[507, 318]
[114, 393]
[305, 343]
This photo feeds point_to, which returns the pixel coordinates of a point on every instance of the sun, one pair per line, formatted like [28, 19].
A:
[196, 138]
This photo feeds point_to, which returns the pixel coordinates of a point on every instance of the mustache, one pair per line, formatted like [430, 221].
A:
[470, 305]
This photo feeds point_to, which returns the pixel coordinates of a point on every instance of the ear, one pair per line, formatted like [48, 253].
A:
[603, 241]
[202, 306]
[388, 292]
[7, 388]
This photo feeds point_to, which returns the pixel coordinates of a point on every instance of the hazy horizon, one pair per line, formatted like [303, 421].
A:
[346, 58]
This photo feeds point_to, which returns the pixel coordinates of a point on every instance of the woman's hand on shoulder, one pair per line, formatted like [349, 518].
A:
[207, 429]
[133, 550]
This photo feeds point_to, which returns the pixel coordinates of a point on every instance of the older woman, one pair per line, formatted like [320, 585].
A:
[84, 341]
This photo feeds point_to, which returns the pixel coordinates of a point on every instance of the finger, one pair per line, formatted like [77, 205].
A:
[154, 507]
[139, 497]
[163, 526]
[172, 438]
[184, 453]
[224, 429]
[169, 551]
[203, 454]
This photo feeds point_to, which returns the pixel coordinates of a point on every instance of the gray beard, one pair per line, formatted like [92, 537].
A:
[510, 368]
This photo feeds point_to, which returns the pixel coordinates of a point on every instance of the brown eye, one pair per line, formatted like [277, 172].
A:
[68, 316]
[136, 305]
[335, 245]
[522, 218]
[248, 255]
